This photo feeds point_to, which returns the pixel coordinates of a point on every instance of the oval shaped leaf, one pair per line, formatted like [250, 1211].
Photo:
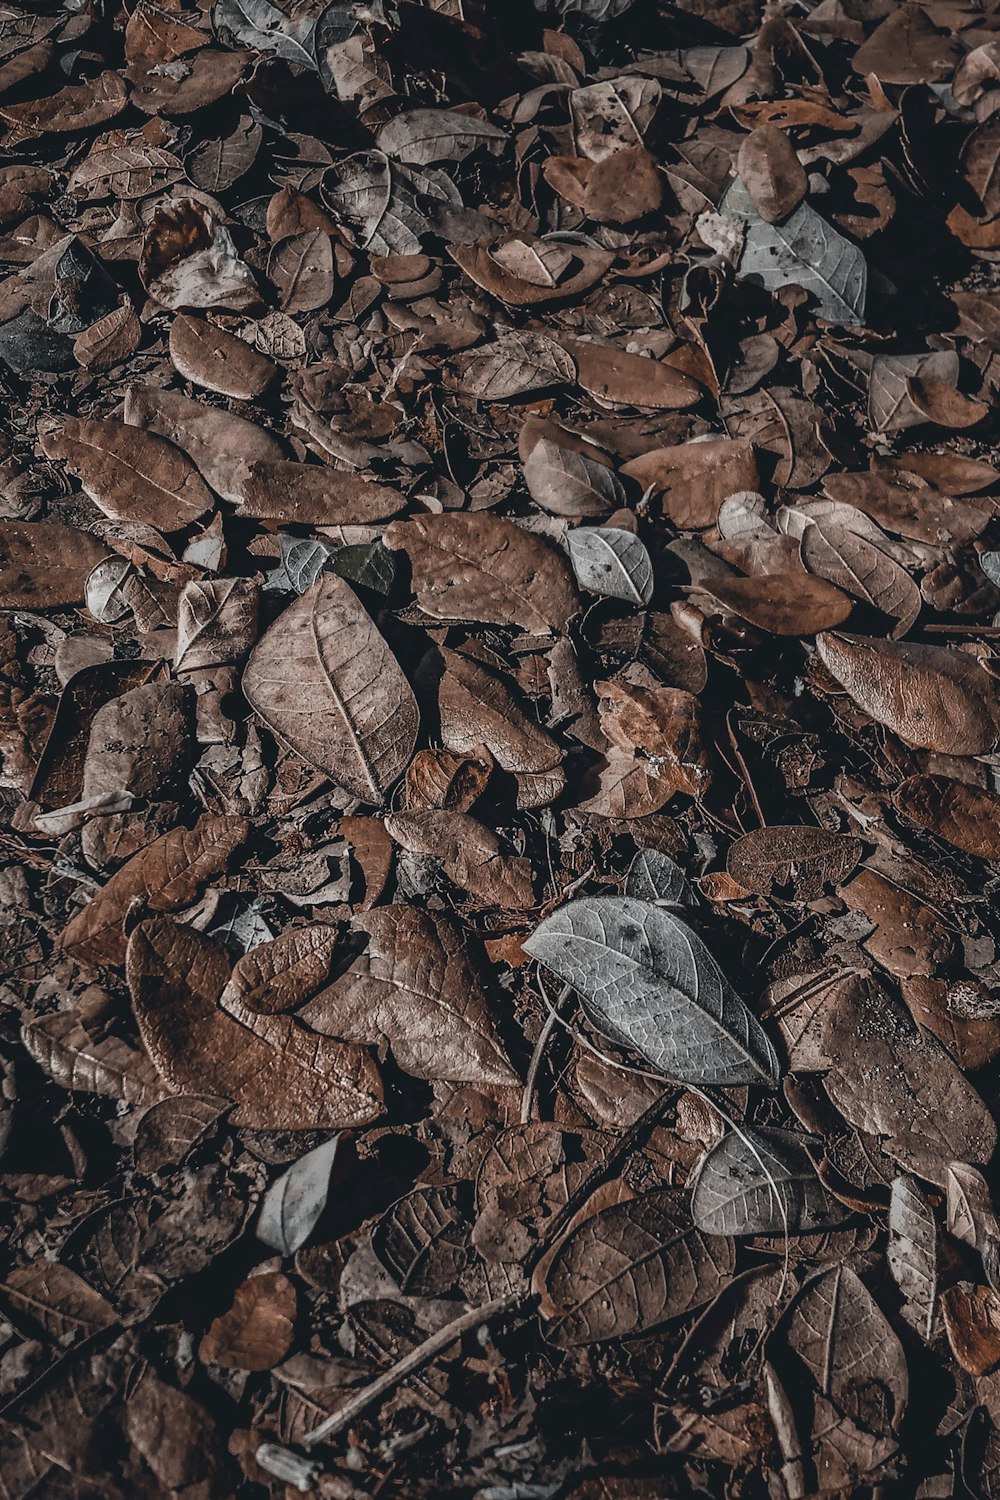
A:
[648, 982]
[293, 1204]
[761, 1182]
[325, 681]
[611, 562]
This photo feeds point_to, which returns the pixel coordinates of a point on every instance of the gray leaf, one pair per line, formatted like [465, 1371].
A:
[805, 251]
[611, 562]
[654, 876]
[303, 559]
[649, 982]
[423, 136]
[515, 363]
[259, 24]
[768, 1186]
[294, 1202]
[912, 1252]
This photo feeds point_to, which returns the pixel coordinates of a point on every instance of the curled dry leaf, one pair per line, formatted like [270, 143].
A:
[470, 855]
[477, 708]
[415, 989]
[131, 475]
[930, 696]
[484, 567]
[165, 876]
[189, 260]
[797, 861]
[279, 1075]
[630, 1267]
[663, 727]
[648, 982]
[326, 682]
[280, 975]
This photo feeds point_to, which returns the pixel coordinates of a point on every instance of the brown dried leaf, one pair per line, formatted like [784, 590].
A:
[771, 172]
[279, 1075]
[470, 856]
[966, 816]
[165, 876]
[477, 708]
[313, 495]
[797, 862]
[49, 1298]
[131, 475]
[931, 697]
[616, 378]
[210, 357]
[324, 680]
[783, 603]
[481, 567]
[972, 1321]
[256, 1332]
[44, 565]
[415, 989]
[280, 975]
[630, 1267]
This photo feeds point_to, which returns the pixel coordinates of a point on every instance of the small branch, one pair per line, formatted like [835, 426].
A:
[414, 1361]
[536, 1057]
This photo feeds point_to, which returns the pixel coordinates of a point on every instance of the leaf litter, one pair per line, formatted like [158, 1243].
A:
[499, 724]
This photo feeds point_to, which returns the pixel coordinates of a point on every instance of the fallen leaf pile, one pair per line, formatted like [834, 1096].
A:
[500, 749]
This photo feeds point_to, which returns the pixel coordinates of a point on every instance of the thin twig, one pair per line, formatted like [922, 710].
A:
[536, 1057]
[415, 1360]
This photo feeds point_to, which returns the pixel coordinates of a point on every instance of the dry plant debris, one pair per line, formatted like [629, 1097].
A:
[499, 749]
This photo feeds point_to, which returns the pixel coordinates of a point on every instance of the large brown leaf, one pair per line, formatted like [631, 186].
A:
[279, 1075]
[618, 378]
[783, 603]
[313, 495]
[221, 444]
[481, 567]
[469, 852]
[129, 474]
[966, 816]
[415, 988]
[218, 361]
[166, 876]
[325, 681]
[693, 479]
[44, 565]
[931, 697]
[631, 1267]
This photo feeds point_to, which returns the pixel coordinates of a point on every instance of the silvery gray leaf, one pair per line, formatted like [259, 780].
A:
[303, 559]
[422, 136]
[990, 564]
[648, 982]
[912, 1252]
[611, 562]
[654, 876]
[265, 27]
[761, 1182]
[294, 1202]
[803, 250]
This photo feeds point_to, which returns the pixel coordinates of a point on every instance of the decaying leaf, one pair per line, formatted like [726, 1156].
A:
[415, 988]
[279, 1075]
[325, 681]
[631, 1267]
